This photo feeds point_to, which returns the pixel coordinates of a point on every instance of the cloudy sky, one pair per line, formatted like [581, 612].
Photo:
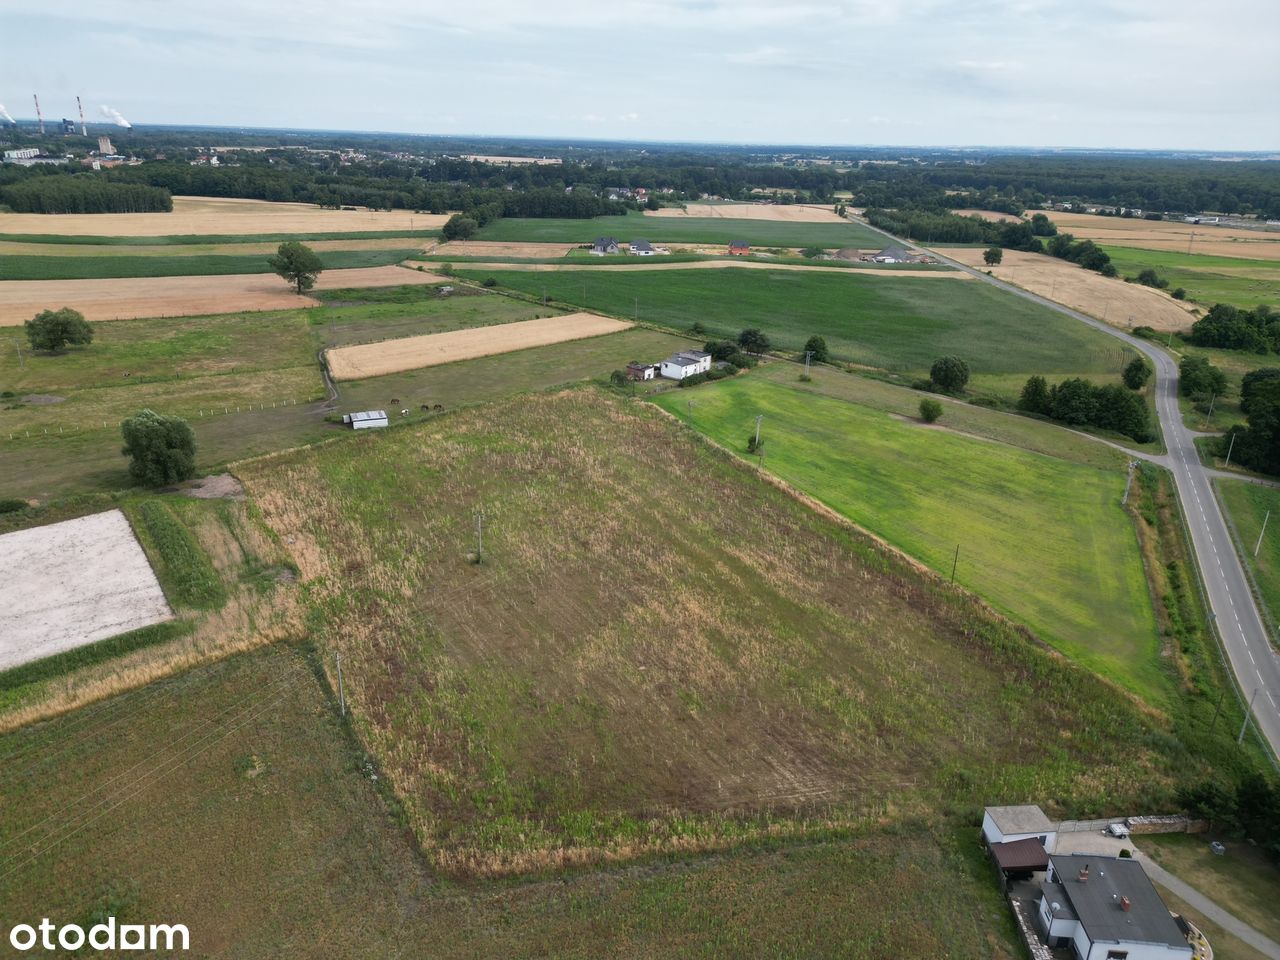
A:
[1091, 73]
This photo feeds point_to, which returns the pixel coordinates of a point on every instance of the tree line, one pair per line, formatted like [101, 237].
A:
[84, 193]
[1081, 403]
[1228, 327]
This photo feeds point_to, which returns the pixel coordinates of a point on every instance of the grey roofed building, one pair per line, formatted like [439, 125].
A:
[1020, 819]
[605, 245]
[895, 253]
[1113, 899]
[641, 245]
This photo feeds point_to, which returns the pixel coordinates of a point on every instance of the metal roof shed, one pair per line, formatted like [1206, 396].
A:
[366, 419]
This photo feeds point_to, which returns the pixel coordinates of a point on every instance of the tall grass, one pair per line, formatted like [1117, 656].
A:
[183, 569]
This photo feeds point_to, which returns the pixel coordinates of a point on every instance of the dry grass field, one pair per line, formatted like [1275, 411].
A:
[17, 248]
[1173, 235]
[120, 298]
[995, 216]
[219, 216]
[1121, 304]
[497, 248]
[68, 584]
[779, 213]
[660, 650]
[412, 353]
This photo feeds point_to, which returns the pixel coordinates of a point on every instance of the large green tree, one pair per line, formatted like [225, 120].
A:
[297, 263]
[53, 330]
[949, 374]
[459, 227]
[816, 347]
[1136, 373]
[162, 449]
[754, 341]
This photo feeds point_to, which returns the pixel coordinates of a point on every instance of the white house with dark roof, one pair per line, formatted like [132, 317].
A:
[687, 363]
[1106, 908]
[641, 248]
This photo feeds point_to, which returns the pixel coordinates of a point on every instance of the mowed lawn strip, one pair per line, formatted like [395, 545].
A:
[712, 230]
[410, 353]
[1207, 279]
[1247, 505]
[896, 323]
[1043, 540]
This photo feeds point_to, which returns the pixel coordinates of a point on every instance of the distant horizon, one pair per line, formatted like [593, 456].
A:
[100, 128]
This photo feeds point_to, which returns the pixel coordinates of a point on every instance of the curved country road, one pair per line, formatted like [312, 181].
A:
[1244, 636]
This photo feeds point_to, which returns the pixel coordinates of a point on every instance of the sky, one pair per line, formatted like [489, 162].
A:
[1132, 74]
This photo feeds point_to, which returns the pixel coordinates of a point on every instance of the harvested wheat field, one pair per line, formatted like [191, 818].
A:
[498, 248]
[1121, 304]
[124, 298]
[219, 215]
[433, 349]
[68, 584]
[95, 250]
[784, 213]
[660, 650]
[1172, 235]
[995, 216]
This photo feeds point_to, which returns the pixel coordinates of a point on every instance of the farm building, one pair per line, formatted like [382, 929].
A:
[641, 248]
[642, 371]
[366, 419]
[1009, 824]
[896, 255]
[604, 246]
[739, 248]
[1106, 908]
[687, 363]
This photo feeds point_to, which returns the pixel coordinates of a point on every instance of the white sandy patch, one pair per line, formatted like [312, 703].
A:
[73, 583]
[781, 212]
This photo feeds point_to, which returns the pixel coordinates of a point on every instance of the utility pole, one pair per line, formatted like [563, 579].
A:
[1189, 241]
[759, 417]
[479, 535]
[1258, 546]
[1209, 416]
[342, 695]
[1231, 446]
[954, 562]
[807, 355]
[1247, 714]
[1128, 483]
[636, 313]
[17, 346]
[1217, 710]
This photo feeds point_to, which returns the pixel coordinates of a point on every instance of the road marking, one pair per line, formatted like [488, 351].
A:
[1250, 653]
[1259, 673]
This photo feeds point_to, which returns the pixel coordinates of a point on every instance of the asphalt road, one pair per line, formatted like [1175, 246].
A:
[1244, 636]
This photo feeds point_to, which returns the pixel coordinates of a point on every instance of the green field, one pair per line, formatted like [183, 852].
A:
[658, 648]
[24, 267]
[206, 238]
[1044, 540]
[1246, 506]
[900, 324]
[760, 233]
[232, 787]
[1208, 280]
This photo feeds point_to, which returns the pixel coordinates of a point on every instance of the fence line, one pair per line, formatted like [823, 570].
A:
[201, 413]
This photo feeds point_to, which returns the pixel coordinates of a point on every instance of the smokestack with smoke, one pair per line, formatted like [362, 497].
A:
[4, 114]
[115, 117]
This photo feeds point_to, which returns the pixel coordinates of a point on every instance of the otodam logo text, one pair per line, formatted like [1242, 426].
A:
[108, 935]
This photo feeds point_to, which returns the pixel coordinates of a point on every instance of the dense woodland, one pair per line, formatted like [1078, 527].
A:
[84, 193]
[424, 173]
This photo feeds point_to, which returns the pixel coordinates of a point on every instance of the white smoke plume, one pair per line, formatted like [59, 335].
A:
[4, 114]
[115, 117]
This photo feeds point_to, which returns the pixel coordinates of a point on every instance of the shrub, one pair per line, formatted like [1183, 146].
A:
[459, 227]
[817, 347]
[754, 341]
[162, 449]
[489, 282]
[930, 410]
[1136, 374]
[950, 374]
[12, 505]
[694, 380]
[992, 256]
[1179, 293]
[53, 330]
[618, 378]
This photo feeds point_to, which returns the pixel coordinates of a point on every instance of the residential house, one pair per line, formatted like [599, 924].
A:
[739, 248]
[687, 363]
[604, 246]
[641, 248]
[1009, 824]
[1106, 908]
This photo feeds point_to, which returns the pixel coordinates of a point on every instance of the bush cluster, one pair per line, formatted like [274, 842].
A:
[1082, 403]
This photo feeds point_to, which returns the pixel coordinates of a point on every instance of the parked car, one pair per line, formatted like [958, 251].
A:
[1217, 848]
[1117, 830]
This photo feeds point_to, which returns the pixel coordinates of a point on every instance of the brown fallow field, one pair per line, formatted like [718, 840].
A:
[1174, 235]
[121, 298]
[498, 249]
[412, 353]
[219, 215]
[995, 216]
[1121, 304]
[785, 213]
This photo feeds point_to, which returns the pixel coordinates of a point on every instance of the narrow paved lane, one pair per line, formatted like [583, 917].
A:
[1244, 637]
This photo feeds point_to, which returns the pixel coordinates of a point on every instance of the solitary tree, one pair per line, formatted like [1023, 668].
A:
[930, 410]
[53, 330]
[296, 263]
[992, 256]
[1036, 397]
[949, 374]
[459, 227]
[1136, 374]
[162, 448]
[753, 341]
[816, 347]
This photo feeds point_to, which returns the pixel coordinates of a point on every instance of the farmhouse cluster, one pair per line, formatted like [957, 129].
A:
[678, 366]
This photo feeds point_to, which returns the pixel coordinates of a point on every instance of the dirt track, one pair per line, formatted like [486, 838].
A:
[786, 213]
[219, 215]
[413, 353]
[121, 298]
[1121, 304]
